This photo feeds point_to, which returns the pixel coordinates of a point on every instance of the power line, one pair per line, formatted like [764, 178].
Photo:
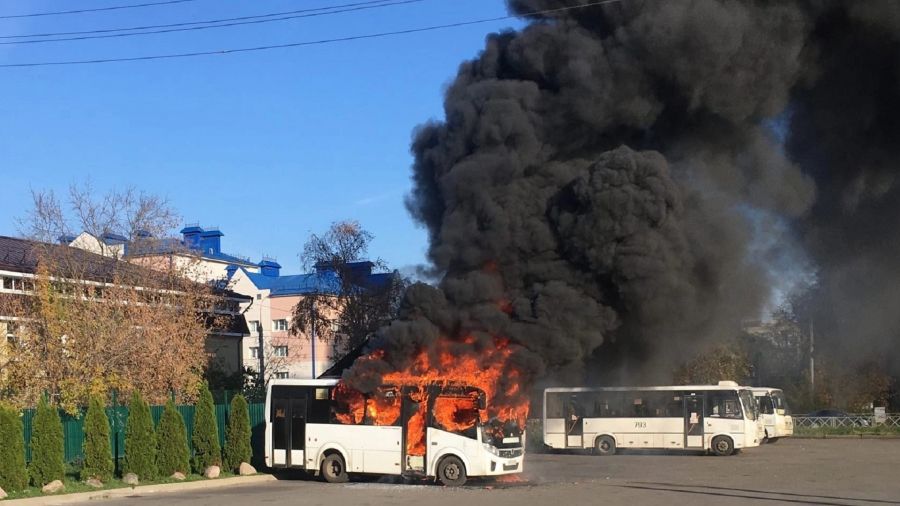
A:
[236, 23]
[193, 23]
[98, 9]
[308, 43]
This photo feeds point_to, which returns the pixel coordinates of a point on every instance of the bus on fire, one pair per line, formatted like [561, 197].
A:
[434, 431]
[717, 418]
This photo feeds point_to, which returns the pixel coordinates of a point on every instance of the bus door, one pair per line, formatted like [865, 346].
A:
[413, 419]
[574, 422]
[693, 421]
[288, 428]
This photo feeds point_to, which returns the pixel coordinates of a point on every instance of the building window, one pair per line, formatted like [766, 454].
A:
[281, 375]
[254, 352]
[279, 325]
[281, 351]
[254, 325]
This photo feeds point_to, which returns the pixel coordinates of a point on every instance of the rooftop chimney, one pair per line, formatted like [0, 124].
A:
[211, 241]
[269, 267]
[191, 235]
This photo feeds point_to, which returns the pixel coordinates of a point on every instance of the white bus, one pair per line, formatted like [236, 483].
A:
[395, 431]
[716, 418]
[774, 413]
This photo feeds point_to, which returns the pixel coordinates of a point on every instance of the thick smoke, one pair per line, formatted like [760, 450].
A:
[610, 184]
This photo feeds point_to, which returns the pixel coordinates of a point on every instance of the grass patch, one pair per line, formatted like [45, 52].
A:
[877, 430]
[74, 485]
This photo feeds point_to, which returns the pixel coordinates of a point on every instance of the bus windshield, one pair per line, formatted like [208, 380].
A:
[780, 401]
[750, 407]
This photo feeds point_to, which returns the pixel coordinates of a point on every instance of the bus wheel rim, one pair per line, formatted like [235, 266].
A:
[722, 445]
[604, 445]
[451, 471]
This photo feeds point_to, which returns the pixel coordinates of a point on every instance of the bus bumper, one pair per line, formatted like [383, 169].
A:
[496, 466]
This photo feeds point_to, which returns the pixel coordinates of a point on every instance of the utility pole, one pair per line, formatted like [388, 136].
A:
[812, 358]
[312, 338]
[261, 353]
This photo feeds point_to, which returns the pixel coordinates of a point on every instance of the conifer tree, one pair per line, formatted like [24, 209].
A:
[140, 440]
[173, 454]
[97, 450]
[13, 474]
[237, 435]
[207, 451]
[47, 453]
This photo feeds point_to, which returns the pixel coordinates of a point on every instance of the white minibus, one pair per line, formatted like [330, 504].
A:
[719, 418]
[774, 413]
[435, 431]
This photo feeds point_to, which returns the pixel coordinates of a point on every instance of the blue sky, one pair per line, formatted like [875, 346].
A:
[269, 145]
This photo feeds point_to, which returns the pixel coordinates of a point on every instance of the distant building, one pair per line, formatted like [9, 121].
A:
[18, 263]
[289, 354]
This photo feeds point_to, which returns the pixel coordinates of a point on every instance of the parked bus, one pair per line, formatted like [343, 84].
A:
[394, 431]
[716, 418]
[774, 413]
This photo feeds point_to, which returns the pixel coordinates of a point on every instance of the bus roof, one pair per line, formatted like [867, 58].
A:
[663, 388]
[764, 390]
[305, 382]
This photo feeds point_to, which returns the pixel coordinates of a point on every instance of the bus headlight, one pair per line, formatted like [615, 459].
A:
[491, 449]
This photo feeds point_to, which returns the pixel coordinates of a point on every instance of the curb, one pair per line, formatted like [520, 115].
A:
[118, 493]
[848, 436]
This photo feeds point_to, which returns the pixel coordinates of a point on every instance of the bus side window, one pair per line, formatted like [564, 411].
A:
[675, 405]
[723, 404]
[555, 401]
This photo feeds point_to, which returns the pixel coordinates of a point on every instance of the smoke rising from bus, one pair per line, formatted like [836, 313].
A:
[614, 187]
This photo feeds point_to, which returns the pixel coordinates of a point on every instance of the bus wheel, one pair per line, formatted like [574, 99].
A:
[334, 470]
[605, 446]
[452, 472]
[722, 446]
[773, 440]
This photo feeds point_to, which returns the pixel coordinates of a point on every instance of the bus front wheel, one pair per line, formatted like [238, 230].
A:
[452, 472]
[722, 446]
[334, 470]
[605, 446]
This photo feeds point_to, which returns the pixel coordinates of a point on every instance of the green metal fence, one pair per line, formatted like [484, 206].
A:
[73, 428]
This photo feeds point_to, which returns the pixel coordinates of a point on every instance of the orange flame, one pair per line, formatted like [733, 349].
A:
[464, 363]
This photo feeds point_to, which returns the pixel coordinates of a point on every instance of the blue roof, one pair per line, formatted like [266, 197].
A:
[172, 245]
[325, 281]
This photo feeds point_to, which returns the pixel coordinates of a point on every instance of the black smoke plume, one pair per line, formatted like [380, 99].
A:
[611, 185]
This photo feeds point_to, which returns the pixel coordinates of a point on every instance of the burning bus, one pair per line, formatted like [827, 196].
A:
[438, 430]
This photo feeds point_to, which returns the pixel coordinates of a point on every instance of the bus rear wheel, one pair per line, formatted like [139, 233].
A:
[452, 472]
[334, 470]
[605, 446]
[772, 440]
[722, 446]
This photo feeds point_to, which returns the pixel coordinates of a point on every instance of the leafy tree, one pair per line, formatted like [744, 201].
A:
[13, 474]
[723, 361]
[47, 453]
[207, 451]
[349, 304]
[97, 452]
[172, 452]
[237, 435]
[137, 324]
[140, 440]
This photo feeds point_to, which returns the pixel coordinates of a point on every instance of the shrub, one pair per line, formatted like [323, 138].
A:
[207, 451]
[47, 457]
[13, 475]
[237, 435]
[140, 440]
[97, 451]
[172, 452]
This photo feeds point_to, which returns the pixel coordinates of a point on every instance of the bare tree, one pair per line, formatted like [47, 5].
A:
[349, 304]
[90, 322]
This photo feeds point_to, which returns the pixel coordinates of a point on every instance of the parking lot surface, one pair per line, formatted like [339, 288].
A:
[798, 471]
